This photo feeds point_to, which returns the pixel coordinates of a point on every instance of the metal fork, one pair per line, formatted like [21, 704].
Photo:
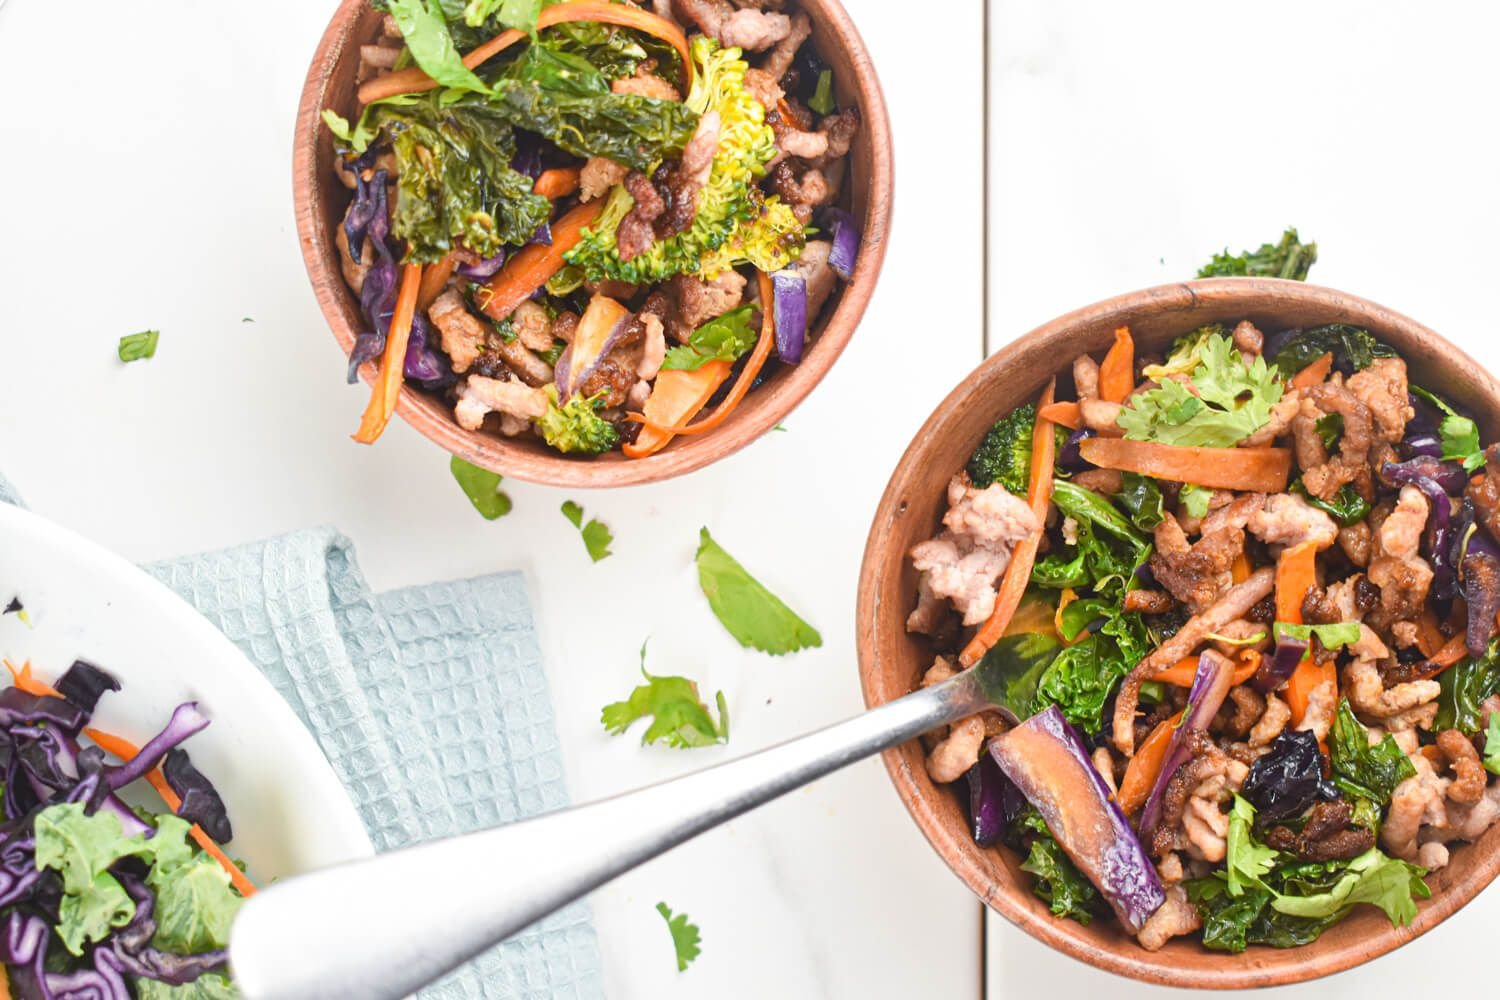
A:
[383, 927]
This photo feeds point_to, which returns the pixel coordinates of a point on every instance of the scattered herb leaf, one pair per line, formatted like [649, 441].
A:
[679, 716]
[597, 537]
[752, 614]
[1231, 401]
[1460, 434]
[1331, 636]
[685, 936]
[138, 346]
[482, 487]
[722, 339]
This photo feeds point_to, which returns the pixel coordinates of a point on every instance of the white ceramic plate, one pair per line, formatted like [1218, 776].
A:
[289, 811]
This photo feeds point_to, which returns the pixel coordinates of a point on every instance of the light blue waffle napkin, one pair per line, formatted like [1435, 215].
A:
[430, 702]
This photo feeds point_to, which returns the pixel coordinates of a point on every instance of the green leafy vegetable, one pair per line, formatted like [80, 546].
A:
[597, 537]
[1231, 923]
[559, 71]
[1331, 636]
[1013, 669]
[1330, 427]
[482, 487]
[685, 936]
[721, 339]
[1290, 258]
[1359, 769]
[1004, 456]
[209, 986]
[195, 905]
[1492, 744]
[1193, 499]
[1464, 687]
[1352, 348]
[1347, 506]
[1460, 435]
[1231, 402]
[1107, 551]
[679, 717]
[1082, 677]
[613, 51]
[424, 29]
[734, 223]
[822, 98]
[1183, 358]
[753, 615]
[1058, 881]
[1247, 861]
[1142, 500]
[138, 346]
[576, 427]
[637, 131]
[518, 14]
[1372, 878]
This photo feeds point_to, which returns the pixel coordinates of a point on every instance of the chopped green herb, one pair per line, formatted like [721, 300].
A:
[1193, 499]
[1291, 258]
[722, 339]
[679, 716]
[138, 346]
[1460, 434]
[752, 614]
[1331, 636]
[1142, 500]
[247, 319]
[1247, 861]
[596, 534]
[1347, 506]
[482, 487]
[779, 427]
[1492, 744]
[685, 936]
[1228, 403]
[822, 98]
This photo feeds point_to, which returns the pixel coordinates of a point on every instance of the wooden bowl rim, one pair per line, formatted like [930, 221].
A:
[1260, 966]
[776, 398]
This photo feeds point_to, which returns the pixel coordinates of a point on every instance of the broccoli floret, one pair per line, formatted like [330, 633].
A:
[1004, 456]
[735, 222]
[576, 427]
[1291, 258]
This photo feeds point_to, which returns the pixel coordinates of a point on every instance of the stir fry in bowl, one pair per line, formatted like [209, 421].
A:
[600, 221]
[1244, 598]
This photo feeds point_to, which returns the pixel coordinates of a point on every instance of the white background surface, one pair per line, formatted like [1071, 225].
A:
[145, 182]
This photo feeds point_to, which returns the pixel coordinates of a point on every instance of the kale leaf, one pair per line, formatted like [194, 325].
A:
[1004, 456]
[1352, 348]
[1058, 881]
[1290, 258]
[1370, 772]
[1083, 676]
[1347, 506]
[1142, 500]
[1014, 667]
[637, 131]
[1107, 549]
[1465, 685]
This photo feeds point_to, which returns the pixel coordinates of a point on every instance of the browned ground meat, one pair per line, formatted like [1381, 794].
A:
[750, 29]
[1324, 476]
[637, 231]
[1382, 389]
[680, 183]
[688, 301]
[1195, 574]
[1325, 836]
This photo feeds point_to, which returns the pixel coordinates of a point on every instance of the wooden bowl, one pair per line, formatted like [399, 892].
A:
[891, 661]
[321, 200]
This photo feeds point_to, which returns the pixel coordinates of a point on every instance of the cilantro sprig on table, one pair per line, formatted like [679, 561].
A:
[482, 487]
[679, 718]
[685, 936]
[597, 537]
[752, 614]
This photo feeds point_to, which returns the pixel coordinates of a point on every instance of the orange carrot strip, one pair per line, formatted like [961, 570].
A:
[1117, 370]
[1065, 413]
[1018, 573]
[747, 374]
[1068, 596]
[790, 115]
[1141, 772]
[1250, 470]
[1181, 673]
[559, 182]
[1452, 651]
[1296, 574]
[1314, 373]
[1308, 676]
[675, 395]
[529, 268]
[125, 750]
[1430, 638]
[1240, 571]
[413, 80]
[434, 277]
[386, 389]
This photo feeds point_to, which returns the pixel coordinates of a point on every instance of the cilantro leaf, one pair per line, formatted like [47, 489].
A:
[1247, 862]
[425, 31]
[597, 537]
[138, 346]
[1460, 435]
[1492, 744]
[679, 717]
[721, 339]
[1193, 499]
[1228, 402]
[752, 614]
[685, 936]
[482, 487]
[1331, 636]
[1359, 769]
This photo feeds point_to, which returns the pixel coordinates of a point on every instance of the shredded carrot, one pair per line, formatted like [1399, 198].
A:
[1306, 679]
[1240, 571]
[125, 750]
[1296, 574]
[1452, 651]
[558, 182]
[1117, 370]
[1068, 596]
[1430, 638]
[1145, 766]
[1018, 573]
[1314, 373]
[742, 385]
[413, 80]
[1181, 673]
[1065, 413]
[387, 386]
[675, 395]
[791, 116]
[434, 277]
[4, 984]
[529, 268]
[1250, 470]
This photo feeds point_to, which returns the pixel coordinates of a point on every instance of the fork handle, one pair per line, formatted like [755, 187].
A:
[383, 927]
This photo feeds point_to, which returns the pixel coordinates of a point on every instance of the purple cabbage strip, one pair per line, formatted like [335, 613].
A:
[186, 720]
[83, 684]
[844, 252]
[424, 362]
[484, 270]
[23, 949]
[542, 236]
[789, 306]
[1275, 669]
[1420, 472]
[1210, 687]
[102, 982]
[201, 803]
[1071, 459]
[988, 792]
[1450, 476]
[131, 944]
[361, 213]
[19, 708]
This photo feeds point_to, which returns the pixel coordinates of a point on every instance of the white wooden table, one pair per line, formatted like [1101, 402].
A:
[145, 182]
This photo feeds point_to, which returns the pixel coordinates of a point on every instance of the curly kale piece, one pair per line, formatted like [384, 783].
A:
[1353, 348]
[735, 222]
[1058, 882]
[1291, 258]
[1004, 456]
[627, 128]
[576, 427]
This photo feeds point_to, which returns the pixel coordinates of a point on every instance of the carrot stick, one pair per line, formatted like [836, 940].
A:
[1429, 637]
[1181, 673]
[747, 374]
[530, 267]
[434, 277]
[1065, 413]
[1018, 573]
[1117, 370]
[413, 80]
[1250, 470]
[385, 389]
[1296, 574]
[1314, 373]
[1453, 650]
[126, 751]
[1306, 679]
[675, 395]
[1240, 571]
[559, 182]
[1141, 772]
[1068, 596]
[5, 993]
